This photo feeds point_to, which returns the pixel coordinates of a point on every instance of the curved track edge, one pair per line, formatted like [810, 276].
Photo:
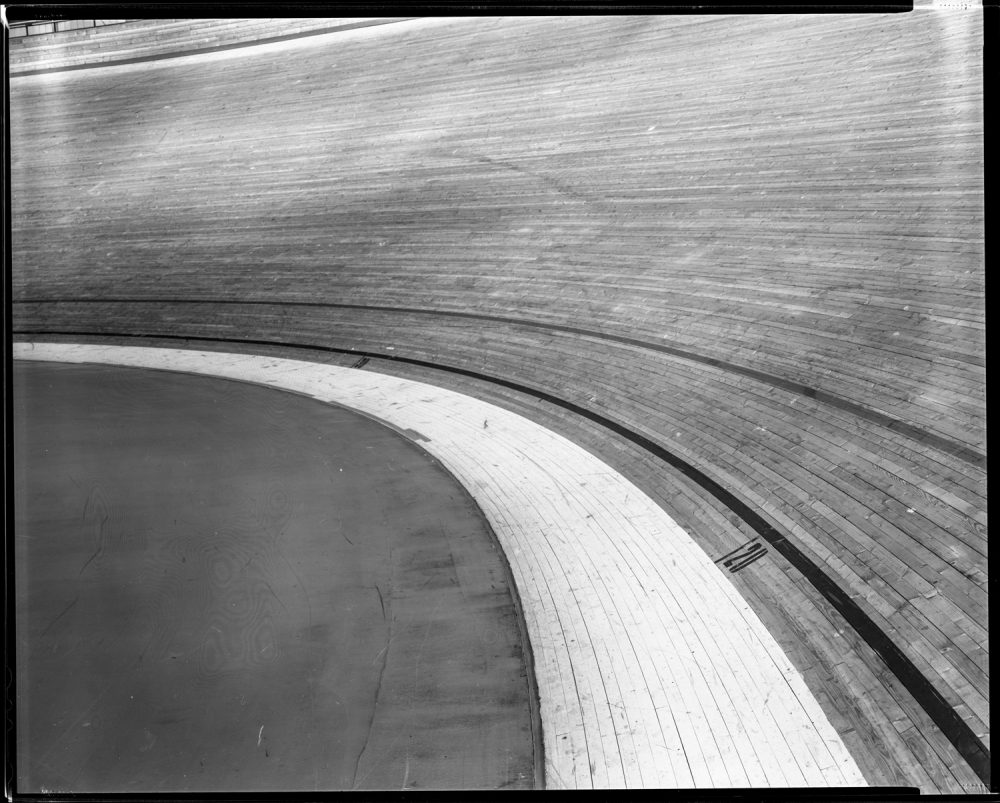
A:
[572, 581]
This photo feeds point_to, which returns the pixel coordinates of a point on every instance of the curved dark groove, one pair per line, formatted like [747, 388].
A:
[927, 438]
[90, 65]
[958, 732]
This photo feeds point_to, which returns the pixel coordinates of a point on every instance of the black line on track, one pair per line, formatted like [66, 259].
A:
[923, 436]
[91, 65]
[734, 551]
[957, 731]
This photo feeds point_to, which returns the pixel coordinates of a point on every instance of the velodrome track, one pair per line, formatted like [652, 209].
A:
[737, 259]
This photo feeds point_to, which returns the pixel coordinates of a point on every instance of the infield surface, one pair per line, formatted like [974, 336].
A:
[226, 587]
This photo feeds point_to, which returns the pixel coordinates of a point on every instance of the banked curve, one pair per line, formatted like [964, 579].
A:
[652, 671]
[891, 655]
[862, 411]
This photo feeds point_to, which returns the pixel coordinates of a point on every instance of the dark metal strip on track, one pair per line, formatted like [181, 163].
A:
[957, 731]
[923, 436]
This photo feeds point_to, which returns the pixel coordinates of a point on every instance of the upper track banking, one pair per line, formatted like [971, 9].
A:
[738, 258]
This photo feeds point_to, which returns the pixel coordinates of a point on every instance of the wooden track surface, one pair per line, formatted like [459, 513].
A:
[651, 670]
[755, 241]
[143, 39]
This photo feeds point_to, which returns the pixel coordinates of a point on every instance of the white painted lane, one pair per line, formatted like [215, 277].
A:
[652, 670]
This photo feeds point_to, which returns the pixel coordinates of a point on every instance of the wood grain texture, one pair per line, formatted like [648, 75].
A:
[70, 48]
[651, 670]
[796, 196]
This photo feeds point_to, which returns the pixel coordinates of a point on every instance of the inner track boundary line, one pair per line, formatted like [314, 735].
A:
[957, 731]
[91, 65]
[946, 445]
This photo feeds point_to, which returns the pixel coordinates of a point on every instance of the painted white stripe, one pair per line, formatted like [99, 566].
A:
[652, 670]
